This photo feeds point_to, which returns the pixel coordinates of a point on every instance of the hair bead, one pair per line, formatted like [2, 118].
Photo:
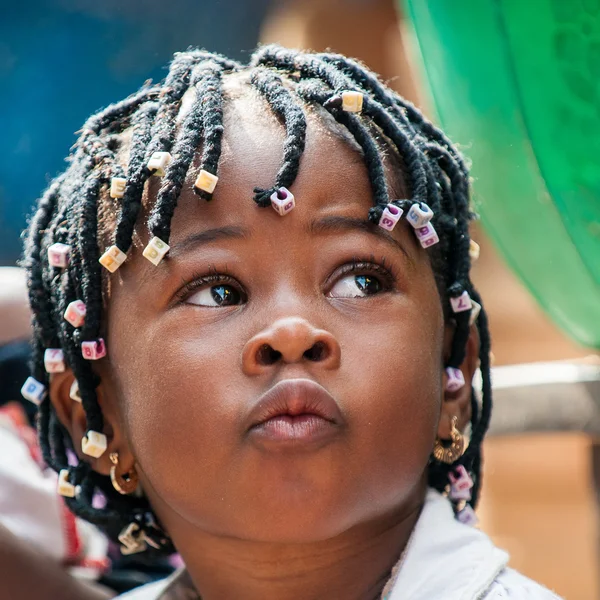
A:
[59, 255]
[427, 235]
[94, 444]
[390, 217]
[455, 379]
[33, 390]
[112, 259]
[54, 360]
[419, 214]
[461, 303]
[155, 250]
[352, 101]
[283, 201]
[117, 187]
[460, 484]
[475, 310]
[158, 163]
[474, 250]
[93, 350]
[206, 181]
[467, 516]
[74, 393]
[63, 486]
[75, 313]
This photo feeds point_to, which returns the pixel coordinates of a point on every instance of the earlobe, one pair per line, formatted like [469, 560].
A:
[456, 401]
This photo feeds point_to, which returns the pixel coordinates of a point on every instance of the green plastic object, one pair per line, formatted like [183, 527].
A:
[517, 85]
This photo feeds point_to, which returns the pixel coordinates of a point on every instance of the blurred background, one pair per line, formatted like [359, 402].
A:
[515, 84]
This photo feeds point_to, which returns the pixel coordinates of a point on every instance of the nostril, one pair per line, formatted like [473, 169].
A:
[317, 352]
[266, 355]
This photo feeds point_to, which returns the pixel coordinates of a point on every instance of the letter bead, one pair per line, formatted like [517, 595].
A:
[155, 250]
[460, 484]
[64, 487]
[74, 393]
[93, 350]
[390, 217]
[112, 259]
[352, 101]
[473, 250]
[117, 187]
[158, 162]
[59, 255]
[33, 390]
[455, 379]
[462, 303]
[94, 444]
[283, 201]
[419, 214]
[467, 516]
[54, 360]
[206, 181]
[75, 313]
[427, 235]
[475, 310]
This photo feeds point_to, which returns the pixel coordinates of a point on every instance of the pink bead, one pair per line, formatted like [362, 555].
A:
[59, 255]
[455, 379]
[282, 201]
[54, 360]
[463, 302]
[93, 350]
[460, 484]
[467, 516]
[75, 313]
[427, 235]
[390, 217]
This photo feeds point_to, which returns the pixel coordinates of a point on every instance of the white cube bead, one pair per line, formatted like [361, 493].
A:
[59, 255]
[352, 101]
[475, 310]
[206, 181]
[419, 214]
[33, 390]
[427, 235]
[155, 250]
[283, 201]
[94, 444]
[467, 516]
[462, 303]
[460, 484]
[54, 360]
[74, 391]
[455, 379]
[158, 163]
[75, 313]
[390, 217]
[117, 187]
[112, 259]
[93, 350]
[474, 250]
[63, 487]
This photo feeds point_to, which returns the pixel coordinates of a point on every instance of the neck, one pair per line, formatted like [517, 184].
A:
[354, 566]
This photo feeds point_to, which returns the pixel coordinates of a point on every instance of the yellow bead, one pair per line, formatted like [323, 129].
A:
[352, 101]
[206, 181]
[155, 250]
[112, 259]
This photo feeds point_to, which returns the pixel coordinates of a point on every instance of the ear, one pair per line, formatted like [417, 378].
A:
[72, 415]
[458, 403]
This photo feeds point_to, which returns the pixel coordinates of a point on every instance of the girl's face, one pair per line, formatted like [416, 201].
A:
[327, 325]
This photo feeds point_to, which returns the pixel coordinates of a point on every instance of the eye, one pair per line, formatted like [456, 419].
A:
[356, 286]
[216, 295]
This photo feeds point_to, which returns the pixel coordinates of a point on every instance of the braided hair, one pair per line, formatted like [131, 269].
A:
[77, 210]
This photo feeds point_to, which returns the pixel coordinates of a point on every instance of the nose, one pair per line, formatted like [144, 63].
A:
[287, 341]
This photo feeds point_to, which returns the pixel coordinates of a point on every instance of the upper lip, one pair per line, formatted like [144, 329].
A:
[295, 397]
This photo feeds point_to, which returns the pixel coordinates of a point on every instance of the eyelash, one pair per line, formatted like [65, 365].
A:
[356, 265]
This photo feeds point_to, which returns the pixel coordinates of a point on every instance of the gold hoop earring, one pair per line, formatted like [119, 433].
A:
[125, 483]
[448, 454]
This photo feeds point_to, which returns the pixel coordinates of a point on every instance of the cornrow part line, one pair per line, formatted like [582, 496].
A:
[211, 93]
[131, 202]
[283, 105]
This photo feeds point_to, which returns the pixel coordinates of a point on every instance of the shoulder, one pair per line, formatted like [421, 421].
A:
[511, 585]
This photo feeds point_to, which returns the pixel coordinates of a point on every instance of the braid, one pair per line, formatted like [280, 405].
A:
[76, 211]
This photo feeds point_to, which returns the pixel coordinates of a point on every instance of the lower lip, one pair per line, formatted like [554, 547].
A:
[295, 429]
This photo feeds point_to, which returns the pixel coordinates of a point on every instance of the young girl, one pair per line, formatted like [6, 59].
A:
[255, 336]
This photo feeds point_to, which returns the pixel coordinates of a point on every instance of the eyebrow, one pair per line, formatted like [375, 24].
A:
[206, 237]
[338, 224]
